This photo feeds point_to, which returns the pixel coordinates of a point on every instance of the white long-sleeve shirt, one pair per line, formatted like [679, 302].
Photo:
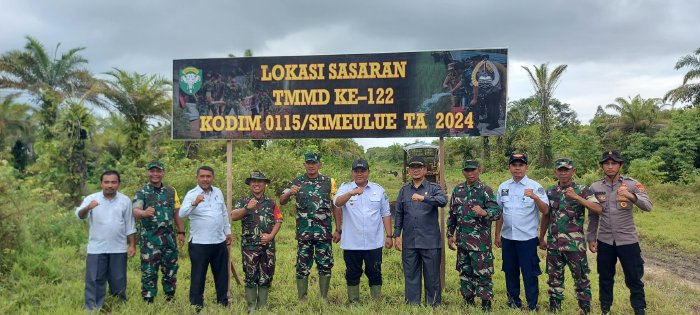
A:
[110, 222]
[209, 222]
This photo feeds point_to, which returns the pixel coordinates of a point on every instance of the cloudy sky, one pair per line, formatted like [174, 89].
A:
[612, 48]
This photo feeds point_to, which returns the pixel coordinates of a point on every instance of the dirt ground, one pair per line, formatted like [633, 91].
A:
[685, 266]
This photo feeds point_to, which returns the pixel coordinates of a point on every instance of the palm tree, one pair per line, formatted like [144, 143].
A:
[687, 92]
[48, 78]
[14, 120]
[637, 114]
[545, 82]
[139, 98]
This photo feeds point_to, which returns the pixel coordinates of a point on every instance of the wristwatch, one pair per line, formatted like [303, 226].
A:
[389, 236]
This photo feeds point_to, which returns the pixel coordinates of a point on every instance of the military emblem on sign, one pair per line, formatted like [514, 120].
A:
[190, 80]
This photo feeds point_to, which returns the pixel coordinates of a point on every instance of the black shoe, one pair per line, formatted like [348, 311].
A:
[148, 300]
[639, 311]
[512, 303]
[554, 305]
[486, 305]
[169, 297]
[605, 310]
[470, 301]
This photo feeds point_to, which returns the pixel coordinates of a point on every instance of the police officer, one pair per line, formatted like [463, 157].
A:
[565, 244]
[473, 207]
[262, 220]
[615, 232]
[314, 194]
[155, 206]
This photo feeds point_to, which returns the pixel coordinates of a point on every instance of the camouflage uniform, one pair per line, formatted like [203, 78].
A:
[258, 259]
[566, 244]
[474, 256]
[313, 223]
[157, 238]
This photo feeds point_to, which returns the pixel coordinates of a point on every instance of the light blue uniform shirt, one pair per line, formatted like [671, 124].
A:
[110, 223]
[209, 223]
[520, 214]
[363, 228]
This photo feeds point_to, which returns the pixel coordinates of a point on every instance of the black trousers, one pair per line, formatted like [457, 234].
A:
[632, 265]
[202, 256]
[372, 259]
[422, 264]
[521, 257]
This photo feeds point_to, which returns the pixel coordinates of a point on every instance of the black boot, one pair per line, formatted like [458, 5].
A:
[470, 301]
[486, 305]
[554, 305]
[585, 307]
[639, 311]
[605, 309]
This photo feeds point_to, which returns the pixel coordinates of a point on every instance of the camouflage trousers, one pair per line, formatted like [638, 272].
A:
[308, 251]
[258, 264]
[158, 251]
[578, 265]
[475, 271]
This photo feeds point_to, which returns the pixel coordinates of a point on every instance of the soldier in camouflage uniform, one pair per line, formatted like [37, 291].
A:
[473, 207]
[157, 237]
[314, 194]
[565, 242]
[262, 220]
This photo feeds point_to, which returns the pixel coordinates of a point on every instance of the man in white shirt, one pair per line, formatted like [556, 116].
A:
[517, 231]
[210, 233]
[111, 223]
[366, 227]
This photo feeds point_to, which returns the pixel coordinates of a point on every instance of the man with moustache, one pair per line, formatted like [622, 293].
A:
[612, 233]
[156, 206]
[473, 207]
[417, 217]
[210, 234]
[366, 222]
[516, 231]
[261, 220]
[314, 204]
[111, 223]
[565, 243]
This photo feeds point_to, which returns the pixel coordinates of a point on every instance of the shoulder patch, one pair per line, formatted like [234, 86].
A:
[640, 187]
[504, 192]
[540, 190]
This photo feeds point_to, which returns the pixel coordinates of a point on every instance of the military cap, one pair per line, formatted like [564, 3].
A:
[470, 164]
[257, 174]
[360, 163]
[155, 163]
[563, 163]
[611, 154]
[312, 157]
[416, 161]
[522, 157]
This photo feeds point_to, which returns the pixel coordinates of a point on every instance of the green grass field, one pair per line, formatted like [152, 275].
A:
[53, 282]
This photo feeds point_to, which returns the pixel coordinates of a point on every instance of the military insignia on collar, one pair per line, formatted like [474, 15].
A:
[504, 192]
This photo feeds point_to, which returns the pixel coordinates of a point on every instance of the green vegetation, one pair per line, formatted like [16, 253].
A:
[53, 148]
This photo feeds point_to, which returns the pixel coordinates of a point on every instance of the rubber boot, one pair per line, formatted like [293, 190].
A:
[486, 305]
[262, 296]
[302, 288]
[554, 305]
[324, 282]
[251, 298]
[585, 307]
[639, 311]
[470, 301]
[353, 294]
[375, 291]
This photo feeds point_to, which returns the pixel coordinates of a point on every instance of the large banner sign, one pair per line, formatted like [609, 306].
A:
[409, 94]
